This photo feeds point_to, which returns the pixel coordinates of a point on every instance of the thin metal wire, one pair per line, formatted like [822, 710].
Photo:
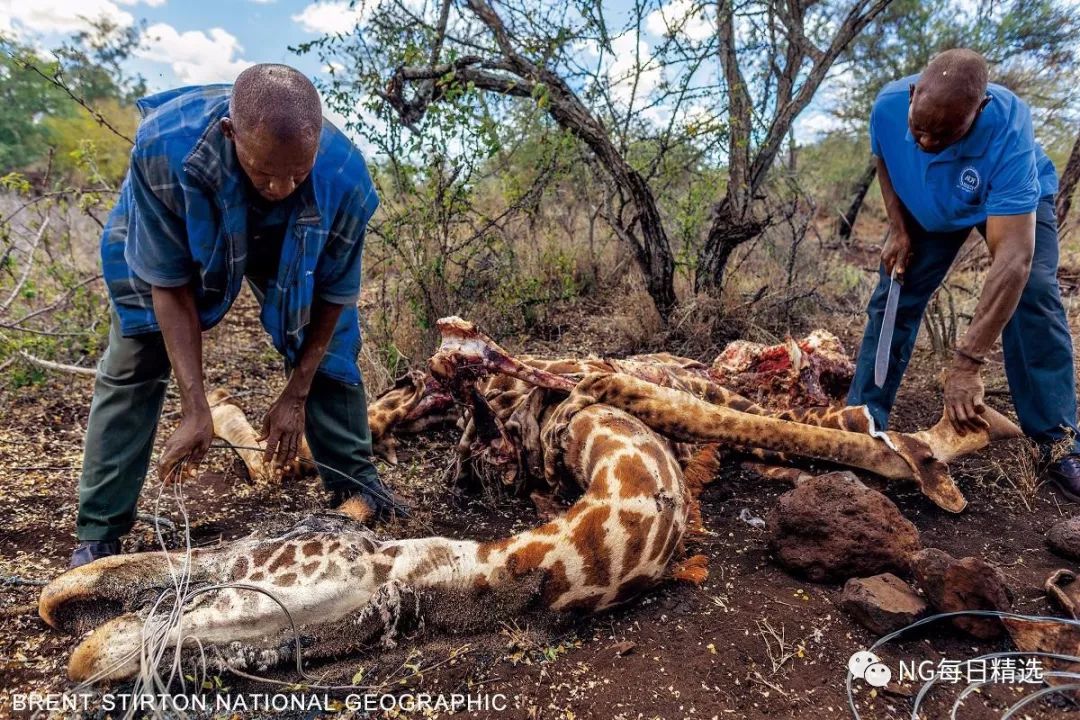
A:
[376, 491]
[968, 613]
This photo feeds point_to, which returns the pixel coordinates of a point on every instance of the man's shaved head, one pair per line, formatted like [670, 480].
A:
[277, 99]
[275, 119]
[947, 99]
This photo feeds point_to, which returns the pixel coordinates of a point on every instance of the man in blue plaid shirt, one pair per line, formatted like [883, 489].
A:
[227, 184]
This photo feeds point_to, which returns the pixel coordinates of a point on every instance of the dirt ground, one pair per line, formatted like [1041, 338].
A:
[751, 642]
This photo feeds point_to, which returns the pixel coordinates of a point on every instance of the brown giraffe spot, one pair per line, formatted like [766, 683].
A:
[528, 558]
[286, 580]
[633, 587]
[663, 464]
[310, 568]
[422, 568]
[335, 545]
[240, 568]
[311, 547]
[262, 554]
[260, 575]
[333, 570]
[393, 551]
[382, 571]
[633, 478]
[487, 548]
[664, 530]
[551, 528]
[599, 484]
[602, 448]
[287, 557]
[669, 547]
[588, 537]
[555, 583]
[585, 604]
[581, 507]
[637, 527]
[620, 424]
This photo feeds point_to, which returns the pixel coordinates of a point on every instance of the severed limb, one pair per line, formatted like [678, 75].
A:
[232, 426]
[466, 352]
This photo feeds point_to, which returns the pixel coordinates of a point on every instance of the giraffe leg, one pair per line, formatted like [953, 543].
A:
[685, 418]
[85, 596]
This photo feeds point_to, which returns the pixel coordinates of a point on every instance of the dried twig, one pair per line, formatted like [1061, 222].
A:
[29, 265]
[60, 367]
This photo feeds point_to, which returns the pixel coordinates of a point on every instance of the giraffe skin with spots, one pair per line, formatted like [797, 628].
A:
[621, 433]
[345, 589]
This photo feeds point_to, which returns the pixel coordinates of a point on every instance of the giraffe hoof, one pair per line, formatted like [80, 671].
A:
[693, 570]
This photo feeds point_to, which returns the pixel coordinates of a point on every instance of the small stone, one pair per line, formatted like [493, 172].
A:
[1064, 538]
[970, 583]
[882, 603]
[833, 527]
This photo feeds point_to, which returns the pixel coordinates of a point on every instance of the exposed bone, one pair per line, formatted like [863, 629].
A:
[232, 426]
[466, 351]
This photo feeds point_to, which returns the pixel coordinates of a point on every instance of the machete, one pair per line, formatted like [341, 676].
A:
[884, 346]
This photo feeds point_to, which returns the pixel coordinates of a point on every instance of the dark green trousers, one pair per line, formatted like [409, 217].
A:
[128, 396]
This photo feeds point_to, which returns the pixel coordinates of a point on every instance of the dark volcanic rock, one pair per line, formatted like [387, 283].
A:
[953, 585]
[1064, 538]
[882, 603]
[833, 527]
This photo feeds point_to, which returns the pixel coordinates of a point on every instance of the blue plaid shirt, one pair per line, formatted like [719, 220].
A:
[182, 218]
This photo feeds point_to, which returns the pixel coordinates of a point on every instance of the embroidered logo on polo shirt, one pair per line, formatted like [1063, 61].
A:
[969, 179]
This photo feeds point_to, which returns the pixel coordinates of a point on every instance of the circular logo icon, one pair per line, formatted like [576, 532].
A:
[877, 675]
[969, 179]
[860, 661]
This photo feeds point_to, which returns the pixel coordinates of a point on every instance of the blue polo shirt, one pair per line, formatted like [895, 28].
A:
[996, 169]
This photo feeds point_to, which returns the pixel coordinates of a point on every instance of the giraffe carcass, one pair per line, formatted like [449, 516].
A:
[610, 428]
[344, 589]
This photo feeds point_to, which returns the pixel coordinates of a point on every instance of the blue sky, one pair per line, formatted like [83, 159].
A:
[187, 41]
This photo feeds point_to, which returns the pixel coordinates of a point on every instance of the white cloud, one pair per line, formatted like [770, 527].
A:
[329, 17]
[691, 19]
[194, 56]
[632, 73]
[150, 3]
[811, 125]
[58, 16]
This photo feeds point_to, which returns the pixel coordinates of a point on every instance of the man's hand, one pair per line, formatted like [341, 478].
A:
[897, 252]
[283, 429]
[188, 443]
[964, 397]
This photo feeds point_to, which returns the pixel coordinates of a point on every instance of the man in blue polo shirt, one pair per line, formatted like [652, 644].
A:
[227, 184]
[955, 153]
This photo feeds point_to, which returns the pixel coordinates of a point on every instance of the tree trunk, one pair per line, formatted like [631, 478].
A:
[846, 222]
[1067, 186]
[725, 234]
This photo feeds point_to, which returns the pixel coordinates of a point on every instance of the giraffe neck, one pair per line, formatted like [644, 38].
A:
[424, 562]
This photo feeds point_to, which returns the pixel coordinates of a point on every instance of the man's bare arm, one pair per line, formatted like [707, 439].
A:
[897, 250]
[283, 427]
[178, 319]
[1011, 240]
